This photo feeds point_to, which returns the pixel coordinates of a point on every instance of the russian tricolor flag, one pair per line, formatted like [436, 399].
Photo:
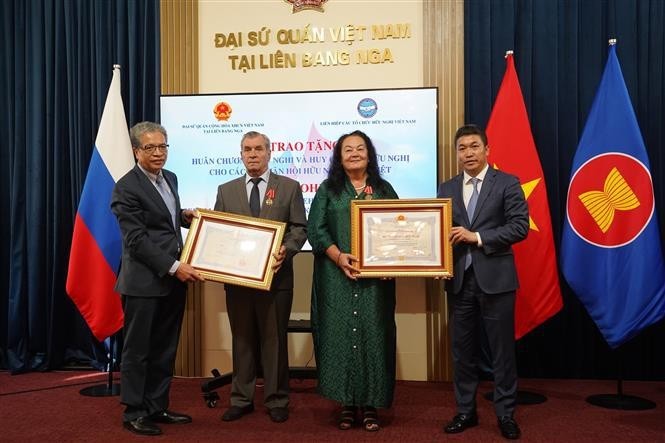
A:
[96, 242]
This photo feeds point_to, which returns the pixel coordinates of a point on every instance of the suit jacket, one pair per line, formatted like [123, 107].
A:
[287, 206]
[150, 242]
[502, 218]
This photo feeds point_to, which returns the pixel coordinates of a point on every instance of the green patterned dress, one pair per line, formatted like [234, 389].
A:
[353, 322]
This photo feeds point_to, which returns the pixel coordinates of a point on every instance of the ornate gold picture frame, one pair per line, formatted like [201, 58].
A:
[402, 238]
[231, 248]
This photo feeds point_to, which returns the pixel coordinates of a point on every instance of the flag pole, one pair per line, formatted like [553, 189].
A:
[109, 389]
[620, 400]
[95, 252]
[510, 100]
[523, 397]
[581, 248]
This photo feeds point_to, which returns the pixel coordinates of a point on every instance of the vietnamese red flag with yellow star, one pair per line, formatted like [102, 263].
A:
[512, 150]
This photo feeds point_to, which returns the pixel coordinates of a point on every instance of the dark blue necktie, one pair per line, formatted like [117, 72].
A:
[254, 197]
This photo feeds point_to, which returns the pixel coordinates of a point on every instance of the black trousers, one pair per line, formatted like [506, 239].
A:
[151, 334]
[469, 308]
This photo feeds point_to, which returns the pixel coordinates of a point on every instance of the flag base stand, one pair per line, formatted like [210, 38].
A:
[621, 401]
[523, 397]
[101, 390]
[109, 389]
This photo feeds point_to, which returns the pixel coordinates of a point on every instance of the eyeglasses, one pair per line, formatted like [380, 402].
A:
[149, 149]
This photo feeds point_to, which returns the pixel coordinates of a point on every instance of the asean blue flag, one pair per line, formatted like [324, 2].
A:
[611, 252]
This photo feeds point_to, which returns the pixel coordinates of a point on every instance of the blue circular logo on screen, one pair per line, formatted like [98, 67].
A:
[367, 107]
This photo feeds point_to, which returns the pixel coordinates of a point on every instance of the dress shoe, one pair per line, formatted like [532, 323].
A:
[509, 428]
[142, 426]
[236, 412]
[460, 423]
[170, 417]
[278, 415]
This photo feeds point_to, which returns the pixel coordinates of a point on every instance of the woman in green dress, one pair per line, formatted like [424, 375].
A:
[353, 320]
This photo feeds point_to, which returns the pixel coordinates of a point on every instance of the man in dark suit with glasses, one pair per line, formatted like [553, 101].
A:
[152, 280]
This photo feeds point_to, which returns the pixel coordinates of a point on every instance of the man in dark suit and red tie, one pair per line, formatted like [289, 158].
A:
[259, 319]
[151, 280]
[490, 214]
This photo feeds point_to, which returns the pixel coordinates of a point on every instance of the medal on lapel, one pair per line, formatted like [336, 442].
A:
[368, 192]
[270, 195]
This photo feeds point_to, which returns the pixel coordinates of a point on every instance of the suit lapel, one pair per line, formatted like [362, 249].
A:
[153, 193]
[273, 183]
[240, 189]
[490, 178]
[458, 197]
[170, 180]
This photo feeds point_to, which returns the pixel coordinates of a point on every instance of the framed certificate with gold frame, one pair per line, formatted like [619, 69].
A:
[231, 248]
[402, 238]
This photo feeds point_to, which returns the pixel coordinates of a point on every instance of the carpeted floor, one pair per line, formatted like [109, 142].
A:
[48, 407]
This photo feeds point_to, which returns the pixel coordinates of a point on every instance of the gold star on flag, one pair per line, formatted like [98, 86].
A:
[528, 188]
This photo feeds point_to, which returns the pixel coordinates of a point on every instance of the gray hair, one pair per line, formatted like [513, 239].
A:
[252, 134]
[139, 129]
